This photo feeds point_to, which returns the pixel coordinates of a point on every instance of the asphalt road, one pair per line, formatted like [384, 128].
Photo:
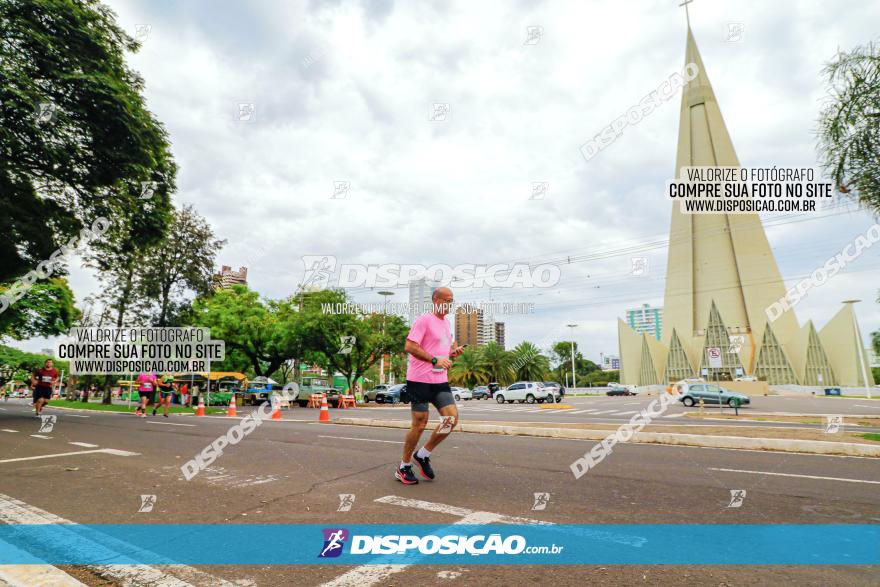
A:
[292, 472]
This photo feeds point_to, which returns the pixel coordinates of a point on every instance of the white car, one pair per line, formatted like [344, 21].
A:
[462, 393]
[526, 391]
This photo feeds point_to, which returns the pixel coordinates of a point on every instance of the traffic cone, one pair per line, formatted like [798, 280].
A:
[276, 409]
[230, 411]
[200, 411]
[325, 412]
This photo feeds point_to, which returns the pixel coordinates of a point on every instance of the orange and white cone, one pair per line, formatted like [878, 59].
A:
[200, 411]
[230, 411]
[325, 412]
[276, 409]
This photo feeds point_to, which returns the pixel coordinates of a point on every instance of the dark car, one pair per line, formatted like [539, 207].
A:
[619, 390]
[393, 395]
[481, 392]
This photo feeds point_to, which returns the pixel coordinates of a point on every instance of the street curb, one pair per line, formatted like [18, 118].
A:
[675, 439]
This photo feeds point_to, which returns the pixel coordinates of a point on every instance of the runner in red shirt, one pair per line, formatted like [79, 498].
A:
[42, 381]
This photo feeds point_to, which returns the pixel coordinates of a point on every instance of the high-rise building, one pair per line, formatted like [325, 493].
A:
[473, 327]
[227, 277]
[420, 292]
[645, 319]
[499, 334]
[722, 281]
[467, 325]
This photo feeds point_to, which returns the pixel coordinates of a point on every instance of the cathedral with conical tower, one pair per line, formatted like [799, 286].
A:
[721, 277]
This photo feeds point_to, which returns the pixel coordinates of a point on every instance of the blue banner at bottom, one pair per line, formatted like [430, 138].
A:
[503, 544]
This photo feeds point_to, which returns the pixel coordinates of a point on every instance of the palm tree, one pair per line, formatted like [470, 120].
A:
[498, 363]
[469, 369]
[528, 362]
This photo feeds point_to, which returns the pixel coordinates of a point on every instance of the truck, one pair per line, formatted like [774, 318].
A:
[310, 385]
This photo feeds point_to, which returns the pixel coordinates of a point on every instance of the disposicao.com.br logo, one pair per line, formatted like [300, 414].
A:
[430, 544]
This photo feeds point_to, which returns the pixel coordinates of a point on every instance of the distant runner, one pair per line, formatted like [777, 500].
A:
[430, 347]
[146, 391]
[166, 389]
[42, 382]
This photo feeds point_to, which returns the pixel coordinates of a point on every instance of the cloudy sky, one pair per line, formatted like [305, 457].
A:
[344, 91]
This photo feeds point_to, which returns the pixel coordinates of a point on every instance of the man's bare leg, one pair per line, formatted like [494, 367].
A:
[437, 436]
[419, 421]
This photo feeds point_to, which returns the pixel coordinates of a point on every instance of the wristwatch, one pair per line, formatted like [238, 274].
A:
[434, 361]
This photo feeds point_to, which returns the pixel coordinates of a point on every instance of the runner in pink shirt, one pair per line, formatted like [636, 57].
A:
[146, 390]
[431, 350]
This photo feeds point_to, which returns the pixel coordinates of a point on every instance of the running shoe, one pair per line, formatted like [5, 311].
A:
[424, 465]
[154, 411]
[405, 475]
[166, 415]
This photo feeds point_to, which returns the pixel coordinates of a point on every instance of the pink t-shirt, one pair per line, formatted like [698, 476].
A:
[147, 382]
[435, 336]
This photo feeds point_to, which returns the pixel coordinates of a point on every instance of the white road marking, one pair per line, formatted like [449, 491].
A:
[13, 511]
[31, 574]
[625, 413]
[604, 412]
[7, 430]
[455, 510]
[366, 439]
[863, 406]
[84, 444]
[75, 416]
[793, 475]
[109, 451]
[168, 423]
[41, 436]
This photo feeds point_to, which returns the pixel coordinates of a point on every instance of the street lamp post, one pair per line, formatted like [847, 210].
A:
[385, 295]
[573, 380]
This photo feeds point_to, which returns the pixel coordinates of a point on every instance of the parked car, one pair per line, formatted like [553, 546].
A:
[461, 393]
[370, 395]
[560, 391]
[393, 395]
[481, 392]
[710, 394]
[526, 391]
[620, 390]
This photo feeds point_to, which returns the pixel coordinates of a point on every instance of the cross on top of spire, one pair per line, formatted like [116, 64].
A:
[686, 13]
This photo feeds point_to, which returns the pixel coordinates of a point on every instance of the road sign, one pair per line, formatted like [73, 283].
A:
[714, 354]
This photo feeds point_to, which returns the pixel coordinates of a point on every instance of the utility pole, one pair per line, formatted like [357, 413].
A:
[385, 295]
[573, 379]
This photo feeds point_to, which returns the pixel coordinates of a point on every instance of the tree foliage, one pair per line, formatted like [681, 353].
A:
[849, 124]
[46, 309]
[76, 139]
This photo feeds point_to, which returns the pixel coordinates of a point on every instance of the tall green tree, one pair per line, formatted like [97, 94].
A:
[46, 309]
[469, 369]
[266, 332]
[498, 363]
[849, 124]
[184, 259]
[76, 139]
[370, 335]
[528, 362]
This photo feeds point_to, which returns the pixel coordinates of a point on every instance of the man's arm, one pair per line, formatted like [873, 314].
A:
[416, 350]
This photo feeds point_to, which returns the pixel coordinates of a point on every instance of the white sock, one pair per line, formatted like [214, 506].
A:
[423, 453]
[402, 464]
